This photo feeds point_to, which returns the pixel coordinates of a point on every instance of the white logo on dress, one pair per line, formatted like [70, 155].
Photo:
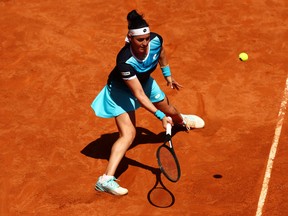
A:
[155, 56]
[157, 96]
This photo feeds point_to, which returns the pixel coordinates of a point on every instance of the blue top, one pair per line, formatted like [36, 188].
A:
[128, 66]
[116, 98]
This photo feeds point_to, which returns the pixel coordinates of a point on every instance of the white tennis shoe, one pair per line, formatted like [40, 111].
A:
[109, 184]
[192, 121]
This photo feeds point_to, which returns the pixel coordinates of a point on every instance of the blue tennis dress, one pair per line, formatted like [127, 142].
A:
[116, 98]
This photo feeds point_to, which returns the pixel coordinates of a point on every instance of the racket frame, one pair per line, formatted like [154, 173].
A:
[168, 139]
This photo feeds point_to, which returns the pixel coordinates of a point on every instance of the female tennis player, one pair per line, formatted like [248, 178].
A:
[130, 86]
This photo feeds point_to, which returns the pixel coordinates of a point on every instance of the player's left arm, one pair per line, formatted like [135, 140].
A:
[165, 68]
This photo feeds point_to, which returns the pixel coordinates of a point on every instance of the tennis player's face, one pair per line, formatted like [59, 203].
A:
[140, 44]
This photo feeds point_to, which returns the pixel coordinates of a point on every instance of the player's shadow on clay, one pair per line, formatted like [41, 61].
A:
[101, 147]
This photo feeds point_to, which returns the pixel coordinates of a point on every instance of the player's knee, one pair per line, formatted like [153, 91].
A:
[130, 135]
[133, 134]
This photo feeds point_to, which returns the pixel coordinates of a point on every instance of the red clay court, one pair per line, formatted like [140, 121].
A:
[55, 57]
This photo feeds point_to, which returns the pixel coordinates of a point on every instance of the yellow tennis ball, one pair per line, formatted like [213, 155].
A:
[243, 56]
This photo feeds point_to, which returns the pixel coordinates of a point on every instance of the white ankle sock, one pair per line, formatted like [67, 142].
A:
[106, 177]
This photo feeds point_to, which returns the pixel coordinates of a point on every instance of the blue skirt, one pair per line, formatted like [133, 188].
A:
[115, 99]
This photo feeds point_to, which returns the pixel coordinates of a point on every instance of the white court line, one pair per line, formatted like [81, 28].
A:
[273, 150]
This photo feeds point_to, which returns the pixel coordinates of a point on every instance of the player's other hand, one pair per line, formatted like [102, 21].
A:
[173, 83]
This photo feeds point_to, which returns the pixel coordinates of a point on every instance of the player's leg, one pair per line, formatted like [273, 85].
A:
[127, 132]
[169, 110]
[188, 121]
[159, 99]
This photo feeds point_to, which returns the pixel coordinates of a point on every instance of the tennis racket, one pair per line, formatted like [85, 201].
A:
[166, 157]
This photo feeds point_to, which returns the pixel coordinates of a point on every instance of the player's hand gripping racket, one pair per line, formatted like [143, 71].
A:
[167, 159]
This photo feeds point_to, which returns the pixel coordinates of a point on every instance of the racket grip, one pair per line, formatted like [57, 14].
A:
[169, 127]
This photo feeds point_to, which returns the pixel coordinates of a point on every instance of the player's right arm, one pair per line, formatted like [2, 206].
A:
[137, 90]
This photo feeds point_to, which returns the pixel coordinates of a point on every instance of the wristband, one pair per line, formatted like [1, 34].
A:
[166, 70]
[159, 114]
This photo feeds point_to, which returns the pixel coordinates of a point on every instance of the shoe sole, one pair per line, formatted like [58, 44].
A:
[99, 188]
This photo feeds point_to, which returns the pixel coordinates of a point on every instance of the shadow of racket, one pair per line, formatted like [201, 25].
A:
[159, 196]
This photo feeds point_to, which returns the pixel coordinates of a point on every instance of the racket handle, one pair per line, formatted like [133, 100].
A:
[169, 127]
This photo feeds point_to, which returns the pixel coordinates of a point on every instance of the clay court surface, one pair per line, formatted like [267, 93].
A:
[55, 57]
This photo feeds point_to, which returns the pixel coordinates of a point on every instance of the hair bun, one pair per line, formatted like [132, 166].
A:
[135, 20]
[133, 15]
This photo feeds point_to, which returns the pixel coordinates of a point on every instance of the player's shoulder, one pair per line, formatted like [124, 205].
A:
[124, 53]
[156, 37]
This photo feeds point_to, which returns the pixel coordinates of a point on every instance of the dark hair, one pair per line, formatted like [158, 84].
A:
[136, 20]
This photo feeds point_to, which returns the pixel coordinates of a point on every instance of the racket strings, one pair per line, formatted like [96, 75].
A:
[168, 164]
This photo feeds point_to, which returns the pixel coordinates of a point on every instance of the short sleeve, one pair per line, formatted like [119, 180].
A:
[126, 71]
